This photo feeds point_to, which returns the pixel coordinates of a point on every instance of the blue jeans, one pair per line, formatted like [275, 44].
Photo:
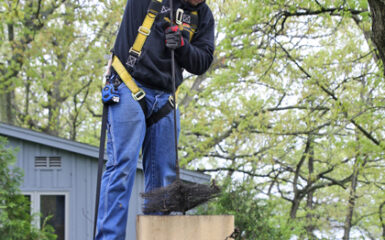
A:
[127, 134]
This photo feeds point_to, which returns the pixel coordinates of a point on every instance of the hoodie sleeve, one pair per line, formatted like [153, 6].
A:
[197, 56]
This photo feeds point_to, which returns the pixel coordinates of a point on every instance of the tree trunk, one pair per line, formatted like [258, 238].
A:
[352, 202]
[7, 86]
[309, 202]
[294, 207]
[377, 10]
[382, 220]
[298, 196]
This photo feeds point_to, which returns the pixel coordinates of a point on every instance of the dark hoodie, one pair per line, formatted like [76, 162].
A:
[153, 68]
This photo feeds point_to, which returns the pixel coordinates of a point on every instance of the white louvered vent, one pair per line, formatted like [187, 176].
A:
[47, 162]
[54, 162]
[41, 162]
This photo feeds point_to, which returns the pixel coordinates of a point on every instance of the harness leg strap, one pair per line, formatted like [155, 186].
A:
[163, 111]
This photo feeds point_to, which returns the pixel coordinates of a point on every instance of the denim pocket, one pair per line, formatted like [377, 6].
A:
[127, 110]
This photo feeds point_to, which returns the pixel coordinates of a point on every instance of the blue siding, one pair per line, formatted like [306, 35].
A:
[76, 177]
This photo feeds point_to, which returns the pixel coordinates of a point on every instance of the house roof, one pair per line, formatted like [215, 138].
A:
[79, 148]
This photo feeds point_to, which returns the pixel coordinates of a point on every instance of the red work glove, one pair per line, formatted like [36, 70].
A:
[174, 38]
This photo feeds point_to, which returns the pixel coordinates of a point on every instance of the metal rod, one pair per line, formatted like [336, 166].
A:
[177, 169]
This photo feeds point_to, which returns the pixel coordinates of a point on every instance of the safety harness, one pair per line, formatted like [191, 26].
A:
[186, 22]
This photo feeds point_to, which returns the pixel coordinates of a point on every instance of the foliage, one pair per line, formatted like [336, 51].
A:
[290, 114]
[51, 64]
[15, 216]
[293, 105]
[254, 218]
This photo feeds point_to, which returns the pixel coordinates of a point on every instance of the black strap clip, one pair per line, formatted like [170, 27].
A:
[155, 7]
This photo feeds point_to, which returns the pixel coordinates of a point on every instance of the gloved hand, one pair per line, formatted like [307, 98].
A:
[174, 38]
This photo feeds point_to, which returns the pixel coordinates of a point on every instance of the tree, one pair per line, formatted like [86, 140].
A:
[294, 102]
[291, 111]
[52, 64]
[20, 23]
[377, 9]
[254, 218]
[15, 216]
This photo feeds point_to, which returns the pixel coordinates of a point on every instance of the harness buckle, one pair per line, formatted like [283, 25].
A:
[153, 12]
[139, 95]
[143, 30]
[171, 101]
[134, 52]
[179, 16]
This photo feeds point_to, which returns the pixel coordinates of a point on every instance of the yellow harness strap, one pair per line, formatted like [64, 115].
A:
[193, 26]
[143, 32]
[137, 93]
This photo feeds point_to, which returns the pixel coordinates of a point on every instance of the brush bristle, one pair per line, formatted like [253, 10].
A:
[178, 197]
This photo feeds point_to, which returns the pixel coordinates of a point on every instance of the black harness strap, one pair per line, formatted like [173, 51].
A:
[143, 105]
[161, 113]
[155, 7]
[156, 116]
[100, 162]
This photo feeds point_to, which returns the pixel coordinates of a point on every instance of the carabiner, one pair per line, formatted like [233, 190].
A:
[179, 16]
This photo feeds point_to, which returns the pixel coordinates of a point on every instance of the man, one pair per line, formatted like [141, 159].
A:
[127, 129]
